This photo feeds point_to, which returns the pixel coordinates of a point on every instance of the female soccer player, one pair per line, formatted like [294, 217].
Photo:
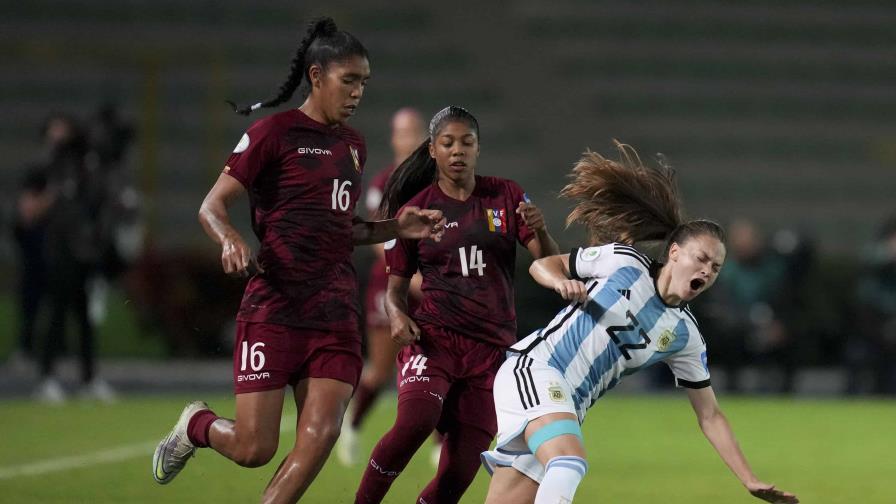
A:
[455, 341]
[628, 312]
[298, 320]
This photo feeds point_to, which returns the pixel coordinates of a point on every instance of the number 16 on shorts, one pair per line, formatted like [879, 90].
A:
[412, 369]
[252, 357]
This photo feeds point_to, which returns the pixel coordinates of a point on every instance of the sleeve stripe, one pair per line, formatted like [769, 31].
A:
[691, 384]
[573, 259]
[636, 256]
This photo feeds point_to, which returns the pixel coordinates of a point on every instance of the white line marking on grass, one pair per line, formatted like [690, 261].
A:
[116, 454]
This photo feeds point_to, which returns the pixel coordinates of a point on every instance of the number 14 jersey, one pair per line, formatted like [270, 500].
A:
[468, 275]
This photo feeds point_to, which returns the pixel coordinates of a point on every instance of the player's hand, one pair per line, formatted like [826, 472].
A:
[415, 224]
[237, 260]
[572, 290]
[769, 493]
[532, 216]
[404, 330]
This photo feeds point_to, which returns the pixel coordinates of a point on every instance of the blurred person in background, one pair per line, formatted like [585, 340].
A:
[408, 132]
[298, 323]
[72, 248]
[871, 350]
[29, 232]
[453, 344]
[746, 309]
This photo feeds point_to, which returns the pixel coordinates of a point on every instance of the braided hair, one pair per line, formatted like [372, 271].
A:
[323, 43]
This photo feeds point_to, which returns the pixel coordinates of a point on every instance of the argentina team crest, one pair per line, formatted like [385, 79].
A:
[355, 158]
[497, 220]
[665, 340]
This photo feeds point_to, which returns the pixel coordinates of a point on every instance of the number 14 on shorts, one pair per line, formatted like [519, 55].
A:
[416, 363]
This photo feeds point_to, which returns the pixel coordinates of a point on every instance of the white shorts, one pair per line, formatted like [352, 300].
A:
[524, 390]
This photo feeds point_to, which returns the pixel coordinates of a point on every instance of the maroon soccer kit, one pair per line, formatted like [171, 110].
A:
[304, 180]
[467, 313]
[378, 279]
[467, 319]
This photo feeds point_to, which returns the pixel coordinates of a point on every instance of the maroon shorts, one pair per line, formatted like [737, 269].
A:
[270, 356]
[455, 370]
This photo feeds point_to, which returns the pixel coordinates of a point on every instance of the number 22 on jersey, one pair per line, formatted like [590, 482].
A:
[475, 260]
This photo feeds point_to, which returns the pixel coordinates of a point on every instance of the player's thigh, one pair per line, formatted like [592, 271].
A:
[381, 351]
[510, 485]
[258, 416]
[321, 404]
[555, 443]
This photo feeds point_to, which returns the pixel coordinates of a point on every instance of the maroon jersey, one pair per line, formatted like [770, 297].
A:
[303, 180]
[468, 275]
[376, 189]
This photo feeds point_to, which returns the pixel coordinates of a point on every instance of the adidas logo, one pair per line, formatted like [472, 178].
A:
[627, 293]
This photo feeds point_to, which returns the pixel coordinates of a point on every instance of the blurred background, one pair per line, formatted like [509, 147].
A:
[778, 117]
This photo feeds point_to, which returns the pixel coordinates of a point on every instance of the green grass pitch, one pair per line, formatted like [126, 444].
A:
[641, 449]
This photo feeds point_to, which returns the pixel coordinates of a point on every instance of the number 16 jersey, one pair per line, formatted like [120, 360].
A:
[468, 275]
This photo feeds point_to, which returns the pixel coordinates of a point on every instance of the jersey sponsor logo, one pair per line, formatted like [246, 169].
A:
[665, 340]
[452, 225]
[242, 145]
[704, 361]
[253, 377]
[497, 220]
[413, 379]
[355, 158]
[315, 150]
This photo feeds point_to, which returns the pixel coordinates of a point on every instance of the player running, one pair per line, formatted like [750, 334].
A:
[456, 339]
[298, 321]
[628, 312]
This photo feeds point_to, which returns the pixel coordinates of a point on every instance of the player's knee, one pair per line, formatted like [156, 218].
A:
[255, 454]
[321, 431]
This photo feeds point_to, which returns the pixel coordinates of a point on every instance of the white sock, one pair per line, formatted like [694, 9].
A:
[561, 478]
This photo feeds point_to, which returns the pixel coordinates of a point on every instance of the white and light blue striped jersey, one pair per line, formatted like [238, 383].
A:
[624, 327]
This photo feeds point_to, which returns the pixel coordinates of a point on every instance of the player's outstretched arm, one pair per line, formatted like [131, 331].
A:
[717, 430]
[412, 223]
[236, 256]
[553, 272]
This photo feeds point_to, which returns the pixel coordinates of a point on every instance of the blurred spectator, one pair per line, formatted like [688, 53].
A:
[871, 350]
[748, 307]
[29, 230]
[72, 251]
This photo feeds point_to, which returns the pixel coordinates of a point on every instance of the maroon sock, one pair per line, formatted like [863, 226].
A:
[461, 448]
[198, 426]
[417, 417]
[364, 399]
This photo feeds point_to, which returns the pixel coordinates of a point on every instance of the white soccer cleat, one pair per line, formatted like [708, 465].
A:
[347, 445]
[175, 450]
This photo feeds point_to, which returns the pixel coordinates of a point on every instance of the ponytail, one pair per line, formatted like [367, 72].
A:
[322, 44]
[629, 202]
[413, 175]
[623, 201]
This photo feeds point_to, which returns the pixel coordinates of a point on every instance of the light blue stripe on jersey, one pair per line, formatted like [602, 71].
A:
[653, 309]
[682, 335]
[603, 363]
[571, 341]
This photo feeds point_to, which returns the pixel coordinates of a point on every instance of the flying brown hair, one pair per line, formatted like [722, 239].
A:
[623, 201]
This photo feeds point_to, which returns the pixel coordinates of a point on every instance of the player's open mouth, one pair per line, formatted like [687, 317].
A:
[459, 164]
[697, 284]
